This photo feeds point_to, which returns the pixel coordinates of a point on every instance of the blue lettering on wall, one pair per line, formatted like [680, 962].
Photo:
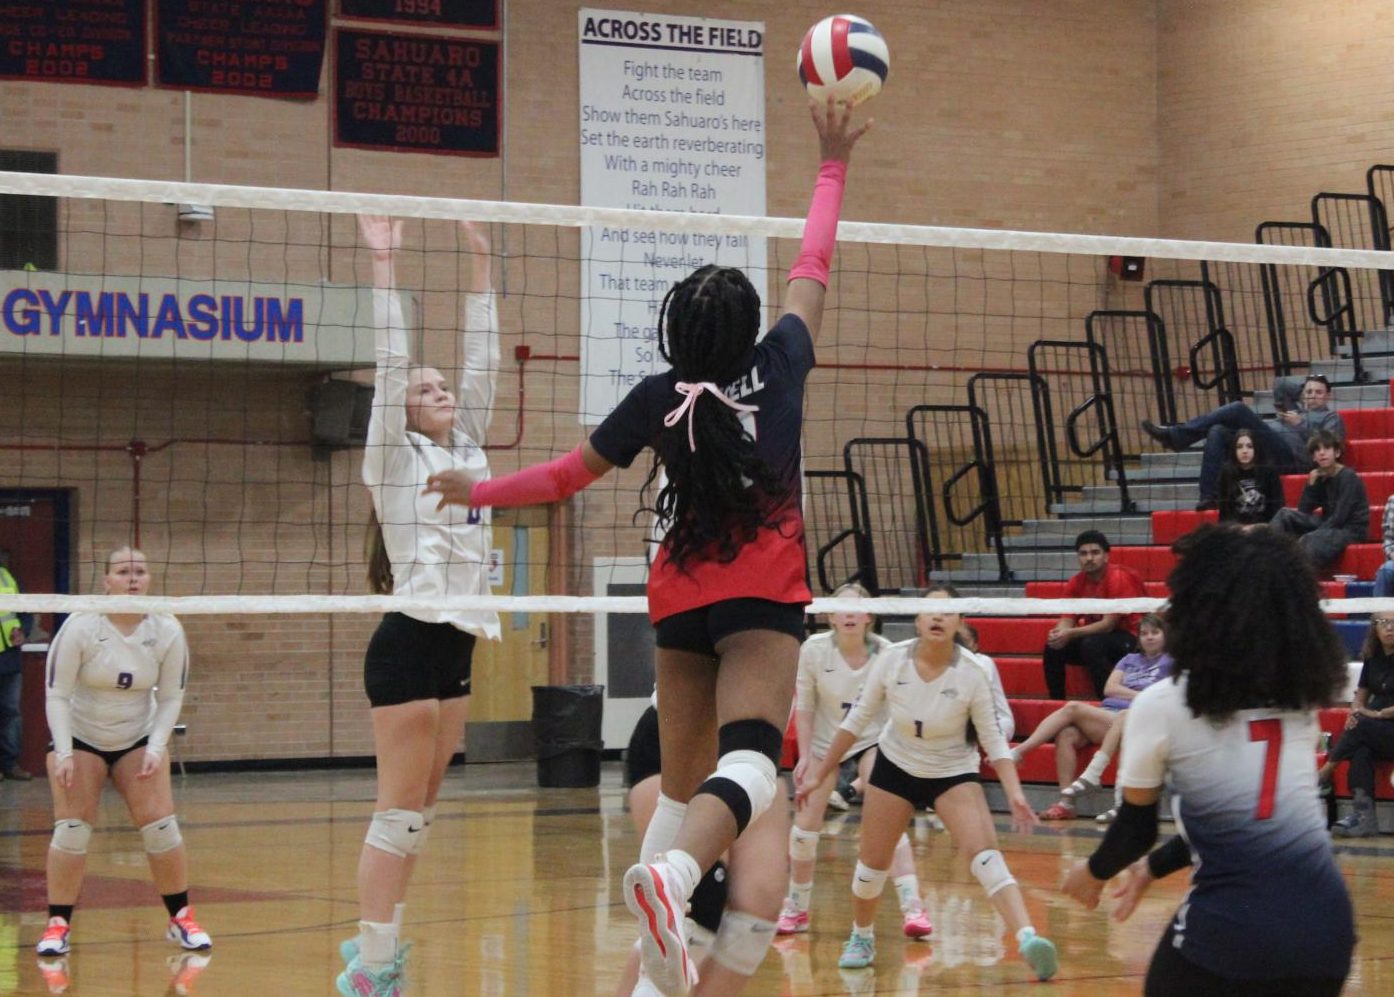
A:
[94, 321]
[19, 312]
[118, 314]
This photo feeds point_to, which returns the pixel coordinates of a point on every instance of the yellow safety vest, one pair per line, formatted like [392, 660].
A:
[9, 622]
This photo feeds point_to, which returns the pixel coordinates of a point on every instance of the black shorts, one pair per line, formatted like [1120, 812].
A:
[110, 757]
[408, 660]
[700, 630]
[887, 775]
[642, 759]
[1170, 972]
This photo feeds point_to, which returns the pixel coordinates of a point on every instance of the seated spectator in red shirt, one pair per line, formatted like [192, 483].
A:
[1097, 642]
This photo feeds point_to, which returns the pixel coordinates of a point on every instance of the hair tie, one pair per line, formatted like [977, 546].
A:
[690, 393]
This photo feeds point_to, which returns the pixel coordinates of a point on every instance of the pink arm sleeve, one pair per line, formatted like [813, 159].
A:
[820, 230]
[536, 485]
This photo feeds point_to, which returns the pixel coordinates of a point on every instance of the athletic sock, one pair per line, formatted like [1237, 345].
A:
[175, 902]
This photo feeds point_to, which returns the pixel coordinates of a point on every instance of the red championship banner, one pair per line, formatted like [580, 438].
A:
[270, 48]
[451, 13]
[76, 41]
[416, 93]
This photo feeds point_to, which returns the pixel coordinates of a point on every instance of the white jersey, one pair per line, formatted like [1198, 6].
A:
[110, 689]
[926, 733]
[827, 686]
[433, 552]
[1006, 719]
[1244, 793]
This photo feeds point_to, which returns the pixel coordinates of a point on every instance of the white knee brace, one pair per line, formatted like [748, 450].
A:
[803, 845]
[161, 835]
[867, 883]
[71, 835]
[755, 774]
[396, 832]
[742, 941]
[990, 869]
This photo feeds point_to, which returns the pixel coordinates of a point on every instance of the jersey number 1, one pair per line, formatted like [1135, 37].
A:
[1271, 732]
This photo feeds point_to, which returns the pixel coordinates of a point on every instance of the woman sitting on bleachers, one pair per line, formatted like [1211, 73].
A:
[1339, 494]
[1078, 723]
[1251, 492]
[1369, 734]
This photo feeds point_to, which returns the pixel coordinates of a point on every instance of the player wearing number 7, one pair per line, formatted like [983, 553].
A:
[115, 686]
[1234, 736]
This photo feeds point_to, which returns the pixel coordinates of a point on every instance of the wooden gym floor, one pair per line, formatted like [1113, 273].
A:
[518, 894]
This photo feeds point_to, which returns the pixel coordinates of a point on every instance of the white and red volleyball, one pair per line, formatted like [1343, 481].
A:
[844, 57]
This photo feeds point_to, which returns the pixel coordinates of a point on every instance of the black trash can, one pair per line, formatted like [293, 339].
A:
[566, 728]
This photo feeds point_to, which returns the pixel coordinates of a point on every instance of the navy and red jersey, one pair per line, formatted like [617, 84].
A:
[773, 565]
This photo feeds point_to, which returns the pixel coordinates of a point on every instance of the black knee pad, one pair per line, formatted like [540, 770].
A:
[709, 899]
[751, 735]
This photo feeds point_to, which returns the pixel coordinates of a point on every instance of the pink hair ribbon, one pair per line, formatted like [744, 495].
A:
[688, 406]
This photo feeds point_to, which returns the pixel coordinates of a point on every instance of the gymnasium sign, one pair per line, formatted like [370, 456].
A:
[77, 41]
[81, 317]
[416, 93]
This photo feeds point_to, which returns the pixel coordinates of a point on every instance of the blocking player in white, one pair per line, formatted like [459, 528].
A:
[832, 667]
[1233, 736]
[941, 711]
[115, 686]
[417, 668]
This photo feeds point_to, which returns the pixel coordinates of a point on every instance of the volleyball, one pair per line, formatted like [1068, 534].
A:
[844, 57]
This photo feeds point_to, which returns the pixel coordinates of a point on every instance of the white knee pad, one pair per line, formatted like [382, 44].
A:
[161, 835]
[990, 869]
[803, 845]
[396, 832]
[71, 835]
[428, 817]
[755, 774]
[867, 883]
[742, 941]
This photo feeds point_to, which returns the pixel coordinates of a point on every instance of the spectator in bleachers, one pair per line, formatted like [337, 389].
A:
[1282, 444]
[1251, 492]
[1369, 734]
[1334, 510]
[1097, 642]
[1384, 577]
[1078, 723]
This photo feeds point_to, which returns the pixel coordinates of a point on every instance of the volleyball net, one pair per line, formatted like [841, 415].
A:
[188, 368]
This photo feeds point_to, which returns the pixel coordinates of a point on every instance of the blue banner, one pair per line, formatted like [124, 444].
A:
[77, 41]
[455, 13]
[272, 48]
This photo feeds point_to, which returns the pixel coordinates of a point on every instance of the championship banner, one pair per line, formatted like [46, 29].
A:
[271, 48]
[672, 119]
[416, 93]
[450, 13]
[77, 41]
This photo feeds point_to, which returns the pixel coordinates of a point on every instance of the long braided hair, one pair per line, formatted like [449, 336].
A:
[717, 495]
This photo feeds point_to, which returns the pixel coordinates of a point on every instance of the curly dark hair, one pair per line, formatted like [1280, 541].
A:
[720, 494]
[1245, 624]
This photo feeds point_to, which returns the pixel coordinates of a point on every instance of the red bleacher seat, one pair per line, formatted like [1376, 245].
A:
[1170, 524]
[1365, 455]
[1333, 721]
[1012, 634]
[1025, 678]
[1379, 485]
[1360, 560]
[1368, 423]
[1152, 563]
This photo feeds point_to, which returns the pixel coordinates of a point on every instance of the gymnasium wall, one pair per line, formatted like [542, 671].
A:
[1118, 118]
